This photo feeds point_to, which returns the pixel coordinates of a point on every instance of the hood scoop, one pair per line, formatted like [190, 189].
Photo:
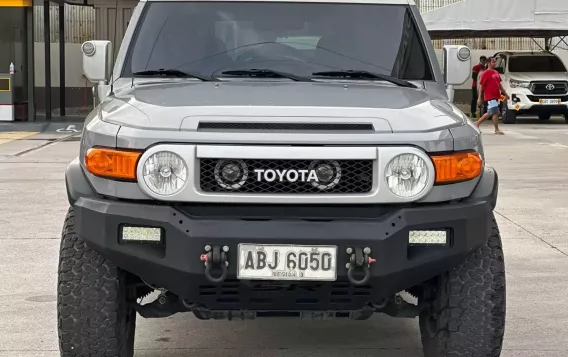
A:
[285, 124]
[286, 127]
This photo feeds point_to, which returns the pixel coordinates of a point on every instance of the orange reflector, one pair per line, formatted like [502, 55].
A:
[112, 163]
[457, 167]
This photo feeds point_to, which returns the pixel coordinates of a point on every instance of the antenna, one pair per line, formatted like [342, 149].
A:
[113, 49]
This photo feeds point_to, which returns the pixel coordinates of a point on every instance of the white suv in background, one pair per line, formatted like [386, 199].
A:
[537, 84]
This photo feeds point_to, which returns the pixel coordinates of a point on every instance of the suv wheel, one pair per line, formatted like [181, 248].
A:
[508, 116]
[467, 316]
[94, 303]
[544, 116]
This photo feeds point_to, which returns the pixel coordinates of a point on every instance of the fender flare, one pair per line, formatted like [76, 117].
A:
[488, 187]
[76, 182]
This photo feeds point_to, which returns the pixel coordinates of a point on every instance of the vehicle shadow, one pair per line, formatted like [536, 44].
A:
[184, 336]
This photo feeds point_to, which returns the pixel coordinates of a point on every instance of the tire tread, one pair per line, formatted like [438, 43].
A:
[91, 300]
[471, 306]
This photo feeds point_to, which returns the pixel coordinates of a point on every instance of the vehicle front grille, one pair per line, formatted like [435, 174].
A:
[534, 98]
[549, 88]
[242, 176]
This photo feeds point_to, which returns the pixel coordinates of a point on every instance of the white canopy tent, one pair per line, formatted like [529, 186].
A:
[503, 18]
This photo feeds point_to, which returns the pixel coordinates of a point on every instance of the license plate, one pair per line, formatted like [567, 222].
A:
[549, 101]
[287, 262]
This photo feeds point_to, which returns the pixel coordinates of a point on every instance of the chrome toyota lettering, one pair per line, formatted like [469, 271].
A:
[286, 175]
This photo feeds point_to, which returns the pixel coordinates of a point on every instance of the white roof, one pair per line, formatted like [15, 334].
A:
[527, 53]
[501, 18]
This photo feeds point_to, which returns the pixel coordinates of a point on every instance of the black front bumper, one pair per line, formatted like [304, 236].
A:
[538, 109]
[176, 266]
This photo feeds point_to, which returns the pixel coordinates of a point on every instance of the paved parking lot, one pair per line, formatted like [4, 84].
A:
[532, 162]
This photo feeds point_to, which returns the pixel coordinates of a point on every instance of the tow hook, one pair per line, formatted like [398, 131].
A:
[359, 259]
[216, 257]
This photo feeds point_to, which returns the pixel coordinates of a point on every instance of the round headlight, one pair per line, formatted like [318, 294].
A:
[165, 173]
[406, 175]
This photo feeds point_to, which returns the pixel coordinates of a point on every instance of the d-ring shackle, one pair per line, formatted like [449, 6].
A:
[359, 259]
[215, 257]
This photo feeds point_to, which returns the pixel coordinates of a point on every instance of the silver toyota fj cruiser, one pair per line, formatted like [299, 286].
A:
[279, 159]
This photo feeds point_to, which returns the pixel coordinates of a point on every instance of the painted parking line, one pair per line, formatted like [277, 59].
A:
[7, 136]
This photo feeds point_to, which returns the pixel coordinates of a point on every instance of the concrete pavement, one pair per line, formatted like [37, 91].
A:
[18, 138]
[532, 212]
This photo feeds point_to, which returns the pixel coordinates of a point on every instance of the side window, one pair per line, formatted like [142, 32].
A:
[503, 63]
[500, 64]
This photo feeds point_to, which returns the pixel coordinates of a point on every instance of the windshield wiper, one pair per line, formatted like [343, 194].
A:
[265, 72]
[365, 75]
[174, 73]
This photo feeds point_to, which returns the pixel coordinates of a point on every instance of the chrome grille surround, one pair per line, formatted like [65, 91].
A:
[377, 157]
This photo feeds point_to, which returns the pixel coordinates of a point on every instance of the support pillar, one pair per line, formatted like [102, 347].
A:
[47, 43]
[62, 59]
[29, 55]
[547, 42]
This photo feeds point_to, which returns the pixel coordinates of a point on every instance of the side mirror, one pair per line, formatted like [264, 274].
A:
[457, 64]
[501, 70]
[97, 60]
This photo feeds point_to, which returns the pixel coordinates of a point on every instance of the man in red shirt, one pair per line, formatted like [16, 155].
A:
[491, 89]
[474, 74]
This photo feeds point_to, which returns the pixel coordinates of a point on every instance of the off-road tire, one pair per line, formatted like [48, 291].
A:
[94, 314]
[508, 116]
[467, 316]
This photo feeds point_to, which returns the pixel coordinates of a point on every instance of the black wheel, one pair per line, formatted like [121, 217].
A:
[508, 116]
[544, 116]
[566, 117]
[94, 311]
[467, 316]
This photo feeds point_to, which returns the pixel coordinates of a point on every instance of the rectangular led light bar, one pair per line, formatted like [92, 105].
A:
[139, 234]
[428, 237]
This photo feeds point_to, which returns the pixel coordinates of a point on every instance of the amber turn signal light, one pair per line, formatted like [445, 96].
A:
[112, 163]
[457, 167]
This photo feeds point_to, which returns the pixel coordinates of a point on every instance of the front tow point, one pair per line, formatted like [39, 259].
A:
[215, 258]
[359, 259]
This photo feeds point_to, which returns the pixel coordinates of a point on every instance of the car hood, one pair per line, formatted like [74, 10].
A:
[538, 76]
[179, 105]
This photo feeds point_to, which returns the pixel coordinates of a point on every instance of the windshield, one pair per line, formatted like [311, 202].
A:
[536, 64]
[209, 38]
